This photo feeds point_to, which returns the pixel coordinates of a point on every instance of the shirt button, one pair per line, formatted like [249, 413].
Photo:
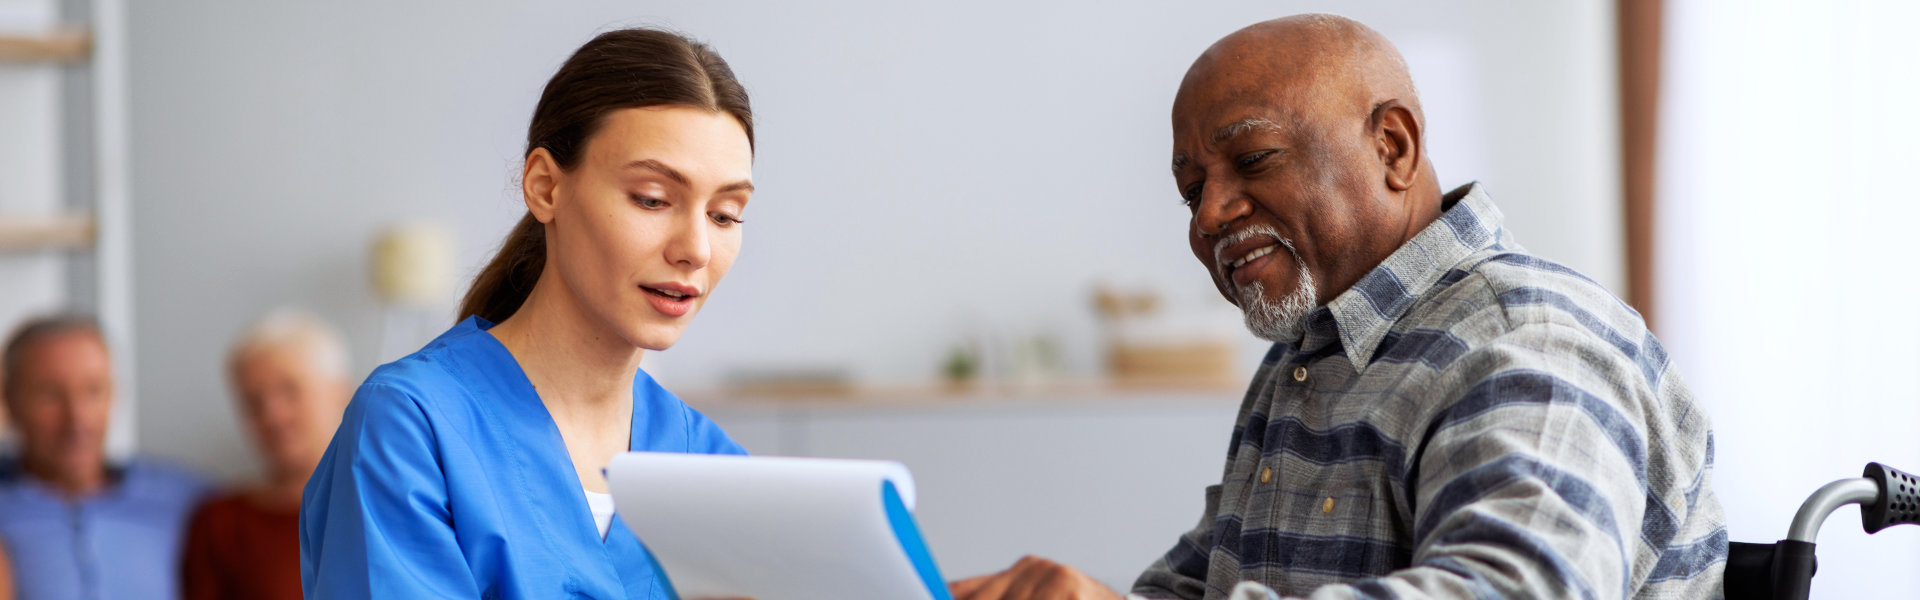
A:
[1327, 507]
[1300, 373]
[1266, 475]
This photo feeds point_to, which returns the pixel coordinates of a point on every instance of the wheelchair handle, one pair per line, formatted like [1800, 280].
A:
[1899, 502]
[1830, 497]
[1887, 497]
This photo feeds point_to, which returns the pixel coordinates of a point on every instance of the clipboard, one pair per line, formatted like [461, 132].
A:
[776, 528]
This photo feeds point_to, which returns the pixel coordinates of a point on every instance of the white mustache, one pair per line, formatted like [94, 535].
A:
[1242, 235]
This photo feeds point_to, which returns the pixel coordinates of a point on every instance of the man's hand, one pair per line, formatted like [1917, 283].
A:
[1032, 578]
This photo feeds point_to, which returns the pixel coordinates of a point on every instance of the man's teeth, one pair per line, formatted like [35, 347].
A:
[1252, 255]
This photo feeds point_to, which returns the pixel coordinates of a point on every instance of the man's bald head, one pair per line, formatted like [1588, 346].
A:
[1303, 63]
[1305, 134]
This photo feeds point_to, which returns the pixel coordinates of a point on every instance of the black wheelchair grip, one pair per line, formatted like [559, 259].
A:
[1899, 499]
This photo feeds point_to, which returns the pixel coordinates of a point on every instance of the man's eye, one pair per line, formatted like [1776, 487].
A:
[648, 201]
[1253, 158]
[1191, 195]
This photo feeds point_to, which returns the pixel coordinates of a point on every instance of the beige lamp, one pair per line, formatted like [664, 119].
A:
[413, 264]
[412, 270]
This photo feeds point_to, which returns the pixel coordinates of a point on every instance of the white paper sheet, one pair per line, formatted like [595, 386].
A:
[774, 528]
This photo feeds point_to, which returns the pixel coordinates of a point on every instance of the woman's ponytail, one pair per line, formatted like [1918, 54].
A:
[503, 285]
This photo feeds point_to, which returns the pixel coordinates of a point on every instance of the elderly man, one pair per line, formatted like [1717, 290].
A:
[74, 524]
[1442, 415]
[289, 374]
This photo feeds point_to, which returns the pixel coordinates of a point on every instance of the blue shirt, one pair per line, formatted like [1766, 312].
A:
[448, 479]
[123, 542]
[1467, 421]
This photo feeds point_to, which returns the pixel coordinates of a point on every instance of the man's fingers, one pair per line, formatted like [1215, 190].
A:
[962, 588]
[1036, 578]
[1029, 586]
[993, 587]
[1031, 578]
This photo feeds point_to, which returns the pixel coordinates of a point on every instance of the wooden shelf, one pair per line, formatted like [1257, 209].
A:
[65, 45]
[19, 233]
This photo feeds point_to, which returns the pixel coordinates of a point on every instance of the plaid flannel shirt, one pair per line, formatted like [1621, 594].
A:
[1467, 421]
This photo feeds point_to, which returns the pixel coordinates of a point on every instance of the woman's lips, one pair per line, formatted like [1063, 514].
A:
[667, 303]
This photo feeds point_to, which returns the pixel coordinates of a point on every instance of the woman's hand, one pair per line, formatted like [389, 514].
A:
[1032, 578]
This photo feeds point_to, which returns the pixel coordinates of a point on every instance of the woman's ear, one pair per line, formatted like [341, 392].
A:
[540, 184]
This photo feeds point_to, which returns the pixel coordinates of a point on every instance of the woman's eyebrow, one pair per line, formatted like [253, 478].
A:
[681, 178]
[661, 168]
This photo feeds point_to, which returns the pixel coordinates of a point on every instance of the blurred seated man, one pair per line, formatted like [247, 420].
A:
[1442, 414]
[76, 525]
[289, 378]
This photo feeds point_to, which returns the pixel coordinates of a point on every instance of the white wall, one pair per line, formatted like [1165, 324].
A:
[923, 168]
[1787, 217]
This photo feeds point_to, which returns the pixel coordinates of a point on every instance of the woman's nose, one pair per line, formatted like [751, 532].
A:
[689, 246]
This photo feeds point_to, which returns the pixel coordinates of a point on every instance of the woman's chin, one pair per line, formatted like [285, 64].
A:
[656, 336]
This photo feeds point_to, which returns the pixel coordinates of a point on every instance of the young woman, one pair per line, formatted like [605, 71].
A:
[472, 468]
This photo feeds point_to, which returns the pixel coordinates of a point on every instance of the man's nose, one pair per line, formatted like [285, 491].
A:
[277, 408]
[1220, 206]
[72, 413]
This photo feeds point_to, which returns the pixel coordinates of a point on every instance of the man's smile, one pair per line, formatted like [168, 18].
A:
[1244, 255]
[1247, 269]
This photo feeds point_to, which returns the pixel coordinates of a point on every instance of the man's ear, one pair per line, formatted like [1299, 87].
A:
[540, 184]
[1397, 138]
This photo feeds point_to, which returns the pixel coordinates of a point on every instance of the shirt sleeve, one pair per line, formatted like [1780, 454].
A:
[1182, 572]
[376, 521]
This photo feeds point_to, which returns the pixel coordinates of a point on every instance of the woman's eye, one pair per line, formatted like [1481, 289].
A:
[724, 219]
[649, 201]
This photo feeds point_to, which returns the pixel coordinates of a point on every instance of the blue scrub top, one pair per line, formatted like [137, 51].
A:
[448, 479]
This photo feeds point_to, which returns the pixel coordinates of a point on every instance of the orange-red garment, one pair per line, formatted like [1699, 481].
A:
[238, 549]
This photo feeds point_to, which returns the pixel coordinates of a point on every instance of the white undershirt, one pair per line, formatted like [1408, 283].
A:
[602, 507]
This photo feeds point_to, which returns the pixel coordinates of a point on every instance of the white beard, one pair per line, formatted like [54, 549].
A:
[1282, 321]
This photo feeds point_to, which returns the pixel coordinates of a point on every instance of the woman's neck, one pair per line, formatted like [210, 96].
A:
[280, 492]
[574, 363]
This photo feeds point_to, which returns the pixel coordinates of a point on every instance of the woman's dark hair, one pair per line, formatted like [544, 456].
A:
[627, 68]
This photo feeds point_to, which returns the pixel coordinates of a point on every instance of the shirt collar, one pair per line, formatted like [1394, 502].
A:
[1361, 316]
[123, 479]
